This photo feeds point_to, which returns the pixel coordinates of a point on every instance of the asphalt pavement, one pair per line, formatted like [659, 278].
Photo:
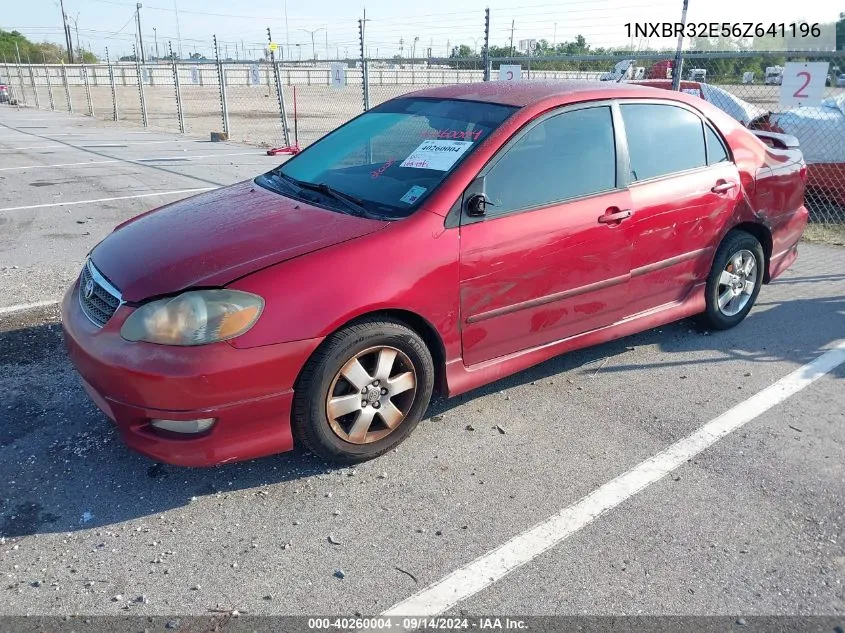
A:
[753, 524]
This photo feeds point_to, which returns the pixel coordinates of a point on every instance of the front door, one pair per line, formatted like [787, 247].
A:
[551, 256]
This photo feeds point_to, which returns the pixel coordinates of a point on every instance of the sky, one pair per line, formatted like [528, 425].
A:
[392, 27]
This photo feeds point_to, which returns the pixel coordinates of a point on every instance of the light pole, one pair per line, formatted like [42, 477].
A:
[178, 33]
[299, 48]
[76, 28]
[313, 49]
[155, 37]
[138, 6]
[414, 48]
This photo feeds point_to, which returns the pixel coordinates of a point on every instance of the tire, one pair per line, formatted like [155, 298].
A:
[325, 414]
[726, 304]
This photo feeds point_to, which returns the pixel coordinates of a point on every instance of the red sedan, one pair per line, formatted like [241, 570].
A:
[440, 241]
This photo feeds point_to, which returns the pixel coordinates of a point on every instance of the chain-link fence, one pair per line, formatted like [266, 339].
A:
[270, 103]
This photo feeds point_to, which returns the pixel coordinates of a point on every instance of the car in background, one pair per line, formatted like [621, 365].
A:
[739, 109]
[4, 94]
[698, 74]
[624, 70]
[441, 240]
[660, 70]
[773, 76]
[840, 81]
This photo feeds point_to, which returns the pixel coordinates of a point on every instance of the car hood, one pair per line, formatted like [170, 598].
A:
[216, 237]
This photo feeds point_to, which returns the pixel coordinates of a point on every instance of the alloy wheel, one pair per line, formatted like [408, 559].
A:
[737, 282]
[371, 395]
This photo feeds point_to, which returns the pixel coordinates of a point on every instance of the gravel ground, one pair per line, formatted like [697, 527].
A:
[753, 525]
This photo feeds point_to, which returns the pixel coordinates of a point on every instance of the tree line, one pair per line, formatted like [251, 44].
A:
[14, 46]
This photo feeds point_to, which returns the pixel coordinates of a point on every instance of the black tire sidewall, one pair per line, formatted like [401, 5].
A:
[733, 242]
[310, 421]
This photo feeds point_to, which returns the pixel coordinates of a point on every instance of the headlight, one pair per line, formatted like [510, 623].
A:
[196, 317]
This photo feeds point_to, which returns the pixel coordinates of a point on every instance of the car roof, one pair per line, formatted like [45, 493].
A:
[526, 93]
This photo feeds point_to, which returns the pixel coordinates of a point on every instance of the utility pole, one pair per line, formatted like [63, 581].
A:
[66, 27]
[327, 43]
[78, 47]
[155, 37]
[178, 34]
[677, 67]
[287, 30]
[513, 23]
[140, 37]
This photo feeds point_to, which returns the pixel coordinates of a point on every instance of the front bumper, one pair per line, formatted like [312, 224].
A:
[249, 391]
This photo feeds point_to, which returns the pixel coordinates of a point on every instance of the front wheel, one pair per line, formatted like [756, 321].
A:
[363, 391]
[734, 281]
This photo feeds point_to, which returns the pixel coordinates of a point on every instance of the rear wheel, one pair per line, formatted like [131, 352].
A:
[734, 281]
[363, 391]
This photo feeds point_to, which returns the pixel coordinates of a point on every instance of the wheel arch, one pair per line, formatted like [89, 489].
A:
[763, 235]
[419, 325]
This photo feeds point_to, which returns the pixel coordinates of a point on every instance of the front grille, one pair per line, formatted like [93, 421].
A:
[97, 297]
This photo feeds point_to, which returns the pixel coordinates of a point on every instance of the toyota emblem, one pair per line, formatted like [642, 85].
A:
[88, 290]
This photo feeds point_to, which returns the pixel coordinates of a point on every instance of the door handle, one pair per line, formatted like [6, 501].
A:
[611, 217]
[723, 187]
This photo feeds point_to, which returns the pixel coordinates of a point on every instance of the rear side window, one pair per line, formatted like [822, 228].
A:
[662, 140]
[716, 151]
[566, 156]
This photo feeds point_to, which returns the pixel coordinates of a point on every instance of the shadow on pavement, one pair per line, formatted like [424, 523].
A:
[63, 466]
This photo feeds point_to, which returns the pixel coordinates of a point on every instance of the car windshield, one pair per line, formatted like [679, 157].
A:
[385, 162]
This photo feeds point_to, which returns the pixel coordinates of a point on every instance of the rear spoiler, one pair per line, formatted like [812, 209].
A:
[778, 141]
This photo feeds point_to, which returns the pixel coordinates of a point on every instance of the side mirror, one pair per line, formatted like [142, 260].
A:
[477, 205]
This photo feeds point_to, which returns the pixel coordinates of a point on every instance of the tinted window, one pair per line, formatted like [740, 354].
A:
[566, 156]
[662, 139]
[392, 157]
[716, 152]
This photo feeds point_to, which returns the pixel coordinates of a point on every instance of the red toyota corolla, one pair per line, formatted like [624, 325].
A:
[442, 240]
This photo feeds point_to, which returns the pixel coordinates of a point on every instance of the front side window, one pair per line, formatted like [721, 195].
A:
[566, 156]
[385, 162]
[662, 140]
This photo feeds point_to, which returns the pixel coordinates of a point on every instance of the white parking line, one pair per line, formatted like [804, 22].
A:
[26, 306]
[493, 566]
[100, 145]
[140, 161]
[140, 195]
[49, 135]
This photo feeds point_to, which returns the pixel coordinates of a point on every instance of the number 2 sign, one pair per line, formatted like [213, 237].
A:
[803, 83]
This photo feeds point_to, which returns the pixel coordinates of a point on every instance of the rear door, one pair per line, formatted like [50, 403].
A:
[551, 256]
[684, 187]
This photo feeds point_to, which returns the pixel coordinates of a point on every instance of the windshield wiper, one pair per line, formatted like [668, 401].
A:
[351, 202]
[349, 199]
